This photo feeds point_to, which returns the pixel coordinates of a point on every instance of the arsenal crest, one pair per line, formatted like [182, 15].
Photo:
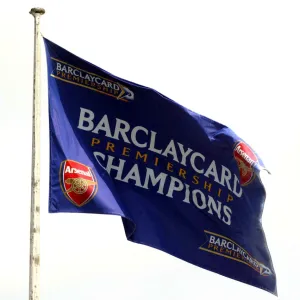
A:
[245, 159]
[78, 182]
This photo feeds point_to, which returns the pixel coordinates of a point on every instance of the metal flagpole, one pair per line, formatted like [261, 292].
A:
[34, 274]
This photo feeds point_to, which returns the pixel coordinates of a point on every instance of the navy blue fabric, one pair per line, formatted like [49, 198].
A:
[174, 180]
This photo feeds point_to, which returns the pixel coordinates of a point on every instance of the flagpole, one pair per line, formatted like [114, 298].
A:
[34, 272]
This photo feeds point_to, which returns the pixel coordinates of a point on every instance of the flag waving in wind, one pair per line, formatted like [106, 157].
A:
[182, 183]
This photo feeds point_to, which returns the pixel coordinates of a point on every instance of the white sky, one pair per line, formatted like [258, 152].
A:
[236, 62]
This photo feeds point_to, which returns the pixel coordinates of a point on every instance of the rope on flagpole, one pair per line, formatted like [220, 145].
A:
[34, 274]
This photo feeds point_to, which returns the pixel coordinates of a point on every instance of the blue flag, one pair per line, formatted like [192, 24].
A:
[182, 183]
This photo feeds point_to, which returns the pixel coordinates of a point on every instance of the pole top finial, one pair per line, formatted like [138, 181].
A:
[37, 10]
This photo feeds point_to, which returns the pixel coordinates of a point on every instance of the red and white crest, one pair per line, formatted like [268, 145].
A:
[78, 182]
[245, 159]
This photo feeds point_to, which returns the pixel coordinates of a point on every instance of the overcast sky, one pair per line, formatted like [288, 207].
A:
[236, 62]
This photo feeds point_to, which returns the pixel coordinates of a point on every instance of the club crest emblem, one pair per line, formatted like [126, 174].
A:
[78, 182]
[246, 160]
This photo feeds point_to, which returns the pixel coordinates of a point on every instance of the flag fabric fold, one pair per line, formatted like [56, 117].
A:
[182, 183]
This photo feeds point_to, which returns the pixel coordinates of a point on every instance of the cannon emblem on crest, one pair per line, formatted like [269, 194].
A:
[244, 169]
[79, 185]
